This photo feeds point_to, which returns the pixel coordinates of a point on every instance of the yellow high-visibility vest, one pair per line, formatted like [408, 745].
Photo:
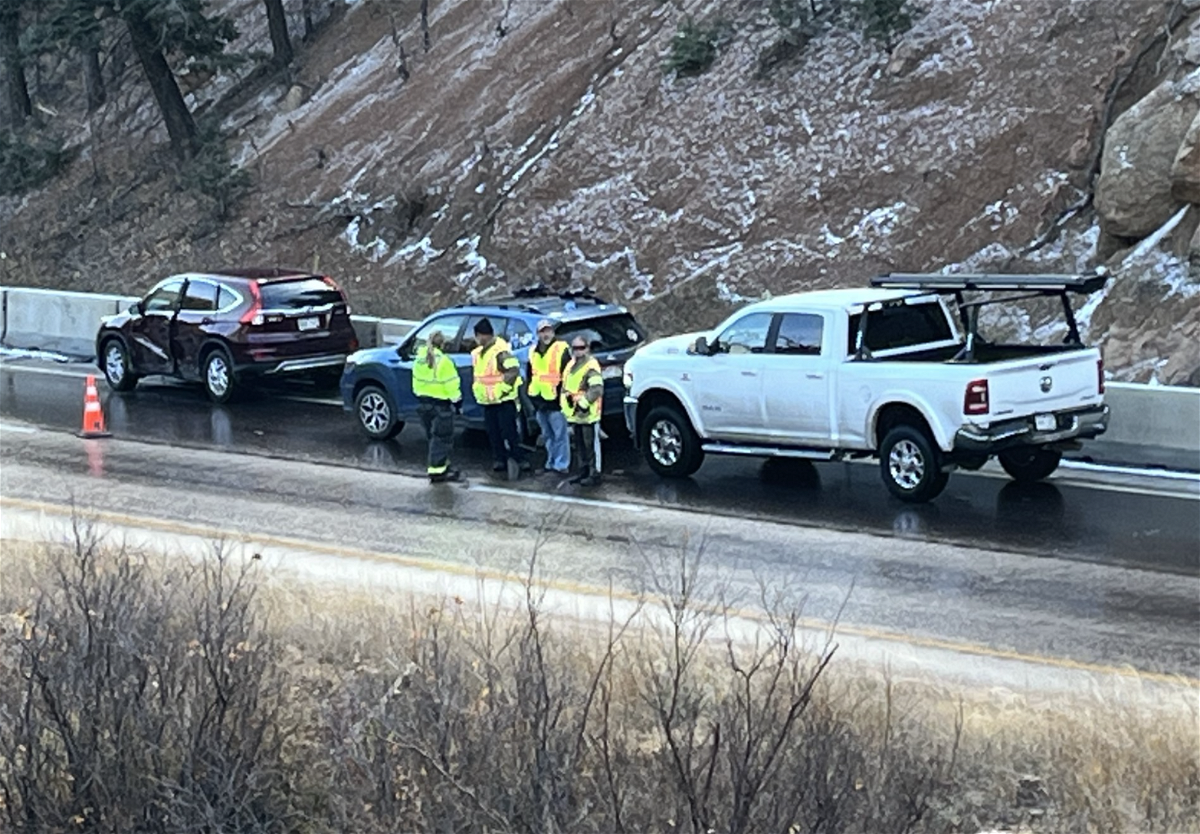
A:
[546, 370]
[487, 381]
[439, 382]
[577, 379]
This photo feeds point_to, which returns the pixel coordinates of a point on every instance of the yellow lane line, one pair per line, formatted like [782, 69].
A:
[582, 589]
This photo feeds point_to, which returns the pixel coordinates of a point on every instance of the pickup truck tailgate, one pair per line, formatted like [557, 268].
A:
[1061, 382]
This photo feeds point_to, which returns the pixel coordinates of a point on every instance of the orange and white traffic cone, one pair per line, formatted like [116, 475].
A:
[93, 414]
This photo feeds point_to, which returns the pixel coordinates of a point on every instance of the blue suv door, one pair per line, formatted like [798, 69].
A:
[400, 382]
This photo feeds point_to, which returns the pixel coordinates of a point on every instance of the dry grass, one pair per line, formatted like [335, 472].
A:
[293, 708]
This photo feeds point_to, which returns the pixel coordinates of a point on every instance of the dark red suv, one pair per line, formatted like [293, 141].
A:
[224, 328]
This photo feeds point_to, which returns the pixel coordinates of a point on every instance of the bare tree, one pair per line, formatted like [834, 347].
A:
[281, 42]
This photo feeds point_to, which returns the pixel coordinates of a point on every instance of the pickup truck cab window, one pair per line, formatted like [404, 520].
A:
[799, 334]
[901, 326]
[746, 335]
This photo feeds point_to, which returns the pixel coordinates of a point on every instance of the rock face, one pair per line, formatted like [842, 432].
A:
[1185, 172]
[1134, 194]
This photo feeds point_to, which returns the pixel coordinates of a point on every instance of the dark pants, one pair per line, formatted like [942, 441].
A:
[501, 423]
[437, 418]
[586, 447]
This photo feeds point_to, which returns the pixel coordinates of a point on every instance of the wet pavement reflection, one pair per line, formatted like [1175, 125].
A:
[302, 422]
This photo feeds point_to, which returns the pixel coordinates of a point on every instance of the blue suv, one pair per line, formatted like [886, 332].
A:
[377, 383]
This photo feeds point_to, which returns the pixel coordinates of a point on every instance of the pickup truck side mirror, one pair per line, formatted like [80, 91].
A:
[138, 307]
[701, 346]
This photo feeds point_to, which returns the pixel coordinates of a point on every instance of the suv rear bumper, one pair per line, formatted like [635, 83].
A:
[1081, 424]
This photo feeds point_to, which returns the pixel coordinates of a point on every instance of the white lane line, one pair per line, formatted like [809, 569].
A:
[559, 499]
[18, 429]
[1165, 474]
[30, 369]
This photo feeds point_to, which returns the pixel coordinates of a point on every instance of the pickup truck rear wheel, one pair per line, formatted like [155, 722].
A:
[911, 465]
[669, 443]
[1029, 464]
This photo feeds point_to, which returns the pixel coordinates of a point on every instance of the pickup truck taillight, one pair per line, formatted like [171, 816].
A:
[1100, 376]
[975, 400]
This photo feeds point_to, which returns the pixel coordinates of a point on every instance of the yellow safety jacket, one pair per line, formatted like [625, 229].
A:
[577, 379]
[439, 382]
[545, 371]
[488, 383]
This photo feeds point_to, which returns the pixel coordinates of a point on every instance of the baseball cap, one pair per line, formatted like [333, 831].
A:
[544, 323]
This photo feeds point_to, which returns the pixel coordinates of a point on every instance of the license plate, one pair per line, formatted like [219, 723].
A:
[1045, 422]
[612, 371]
[308, 324]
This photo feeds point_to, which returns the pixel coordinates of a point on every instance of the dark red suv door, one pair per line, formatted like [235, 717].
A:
[197, 314]
[151, 332]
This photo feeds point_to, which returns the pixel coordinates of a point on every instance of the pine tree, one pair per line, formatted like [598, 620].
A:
[885, 21]
[16, 89]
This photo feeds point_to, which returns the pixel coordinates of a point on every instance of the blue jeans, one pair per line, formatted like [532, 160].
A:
[553, 424]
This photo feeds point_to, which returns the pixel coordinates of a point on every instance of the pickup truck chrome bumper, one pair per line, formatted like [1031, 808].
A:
[1071, 425]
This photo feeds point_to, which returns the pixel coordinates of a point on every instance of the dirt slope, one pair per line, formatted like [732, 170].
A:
[540, 137]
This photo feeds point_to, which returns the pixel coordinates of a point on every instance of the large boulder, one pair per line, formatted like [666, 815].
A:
[1185, 172]
[1133, 194]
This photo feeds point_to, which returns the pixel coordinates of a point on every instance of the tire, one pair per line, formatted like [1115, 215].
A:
[1029, 464]
[911, 465]
[216, 372]
[669, 443]
[375, 414]
[117, 367]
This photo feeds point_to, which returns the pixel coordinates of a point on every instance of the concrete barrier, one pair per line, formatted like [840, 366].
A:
[3, 313]
[393, 331]
[366, 328]
[55, 320]
[1154, 415]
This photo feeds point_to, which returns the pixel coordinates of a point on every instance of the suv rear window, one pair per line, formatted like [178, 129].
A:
[617, 332]
[902, 326]
[293, 295]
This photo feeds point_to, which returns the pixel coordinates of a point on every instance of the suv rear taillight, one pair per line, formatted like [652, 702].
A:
[254, 314]
[1099, 376]
[975, 400]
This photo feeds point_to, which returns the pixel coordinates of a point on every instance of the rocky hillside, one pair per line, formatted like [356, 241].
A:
[543, 139]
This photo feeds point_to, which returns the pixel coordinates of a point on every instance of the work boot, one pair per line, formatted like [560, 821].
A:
[591, 480]
[514, 469]
[526, 466]
[580, 478]
[453, 476]
[500, 467]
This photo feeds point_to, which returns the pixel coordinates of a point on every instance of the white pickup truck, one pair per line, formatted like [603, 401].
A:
[898, 371]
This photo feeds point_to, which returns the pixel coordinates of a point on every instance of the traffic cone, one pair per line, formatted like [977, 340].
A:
[93, 414]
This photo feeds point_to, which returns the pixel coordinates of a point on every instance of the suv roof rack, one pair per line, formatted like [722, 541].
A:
[987, 282]
[543, 291]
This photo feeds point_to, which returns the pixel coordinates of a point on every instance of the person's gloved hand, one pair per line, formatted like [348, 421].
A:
[458, 406]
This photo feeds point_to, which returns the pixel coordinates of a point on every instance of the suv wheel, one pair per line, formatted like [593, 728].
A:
[118, 370]
[669, 443]
[1028, 464]
[218, 376]
[911, 466]
[376, 416]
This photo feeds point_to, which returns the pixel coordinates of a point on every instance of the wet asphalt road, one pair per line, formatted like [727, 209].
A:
[1148, 525]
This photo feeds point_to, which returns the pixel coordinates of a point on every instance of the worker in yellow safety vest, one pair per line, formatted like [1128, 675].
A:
[439, 394]
[547, 360]
[582, 403]
[496, 385]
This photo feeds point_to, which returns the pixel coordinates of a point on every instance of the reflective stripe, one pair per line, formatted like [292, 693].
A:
[440, 382]
[576, 382]
[546, 370]
[488, 385]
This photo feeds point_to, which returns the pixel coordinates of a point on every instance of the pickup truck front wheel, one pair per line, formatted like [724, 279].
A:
[1029, 464]
[911, 466]
[670, 443]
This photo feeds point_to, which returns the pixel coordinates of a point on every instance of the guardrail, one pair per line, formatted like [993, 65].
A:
[1166, 418]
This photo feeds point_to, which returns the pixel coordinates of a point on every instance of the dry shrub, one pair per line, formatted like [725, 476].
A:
[148, 694]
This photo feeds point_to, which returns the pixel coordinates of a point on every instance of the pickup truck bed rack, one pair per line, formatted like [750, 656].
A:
[1029, 286]
[986, 282]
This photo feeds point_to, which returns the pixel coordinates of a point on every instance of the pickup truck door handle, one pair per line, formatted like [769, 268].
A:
[749, 373]
[815, 376]
[207, 320]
